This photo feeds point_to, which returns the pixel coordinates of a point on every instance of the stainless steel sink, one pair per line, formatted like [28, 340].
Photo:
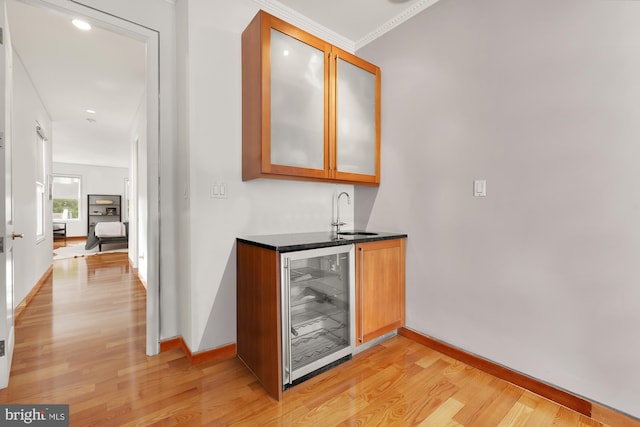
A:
[357, 233]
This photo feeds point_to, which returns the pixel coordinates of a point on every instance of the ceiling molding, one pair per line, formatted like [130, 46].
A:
[394, 22]
[295, 18]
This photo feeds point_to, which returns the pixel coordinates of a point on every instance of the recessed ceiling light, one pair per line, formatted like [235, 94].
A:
[82, 25]
[91, 111]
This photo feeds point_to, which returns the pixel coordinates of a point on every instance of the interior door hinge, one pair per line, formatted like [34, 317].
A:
[1, 139]
[1, 36]
[1, 244]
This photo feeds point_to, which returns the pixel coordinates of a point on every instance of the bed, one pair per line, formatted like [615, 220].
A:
[105, 233]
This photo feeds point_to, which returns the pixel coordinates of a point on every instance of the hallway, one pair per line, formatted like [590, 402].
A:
[82, 342]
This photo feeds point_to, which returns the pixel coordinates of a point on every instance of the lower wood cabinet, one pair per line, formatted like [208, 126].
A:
[380, 288]
[379, 294]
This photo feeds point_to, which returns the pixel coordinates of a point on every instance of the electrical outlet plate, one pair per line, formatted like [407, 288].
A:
[1, 348]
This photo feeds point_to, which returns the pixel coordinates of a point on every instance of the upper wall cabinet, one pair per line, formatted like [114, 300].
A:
[310, 110]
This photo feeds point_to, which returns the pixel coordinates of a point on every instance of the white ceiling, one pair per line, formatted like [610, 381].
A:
[100, 70]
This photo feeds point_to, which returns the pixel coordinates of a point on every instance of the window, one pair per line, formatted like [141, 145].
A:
[40, 207]
[41, 173]
[65, 192]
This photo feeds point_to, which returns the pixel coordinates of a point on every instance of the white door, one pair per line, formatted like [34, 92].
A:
[6, 205]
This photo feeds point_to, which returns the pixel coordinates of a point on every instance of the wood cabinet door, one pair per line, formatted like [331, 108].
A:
[380, 288]
[285, 101]
[355, 115]
[298, 70]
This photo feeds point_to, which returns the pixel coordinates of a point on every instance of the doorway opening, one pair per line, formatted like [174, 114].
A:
[90, 127]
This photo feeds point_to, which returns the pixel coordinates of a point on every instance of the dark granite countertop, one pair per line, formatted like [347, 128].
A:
[301, 241]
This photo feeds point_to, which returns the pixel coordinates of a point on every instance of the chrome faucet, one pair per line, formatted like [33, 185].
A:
[337, 224]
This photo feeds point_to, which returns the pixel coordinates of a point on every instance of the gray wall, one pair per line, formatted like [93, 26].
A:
[32, 257]
[542, 99]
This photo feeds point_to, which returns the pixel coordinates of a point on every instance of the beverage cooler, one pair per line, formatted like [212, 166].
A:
[318, 310]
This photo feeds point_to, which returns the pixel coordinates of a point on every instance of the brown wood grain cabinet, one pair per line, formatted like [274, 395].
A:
[258, 315]
[380, 288]
[379, 303]
[310, 111]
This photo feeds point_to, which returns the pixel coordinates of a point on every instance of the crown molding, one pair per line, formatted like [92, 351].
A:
[295, 18]
[299, 20]
[394, 22]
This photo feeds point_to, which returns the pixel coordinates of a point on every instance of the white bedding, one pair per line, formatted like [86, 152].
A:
[110, 229]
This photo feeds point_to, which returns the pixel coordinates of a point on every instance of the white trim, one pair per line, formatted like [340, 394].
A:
[409, 13]
[153, 195]
[299, 20]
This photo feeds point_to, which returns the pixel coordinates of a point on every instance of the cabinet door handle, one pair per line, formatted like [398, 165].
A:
[286, 329]
[332, 101]
[361, 296]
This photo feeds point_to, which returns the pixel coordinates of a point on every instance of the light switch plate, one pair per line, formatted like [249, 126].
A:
[480, 188]
[218, 190]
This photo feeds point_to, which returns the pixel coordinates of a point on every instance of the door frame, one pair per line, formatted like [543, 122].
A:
[7, 319]
[152, 252]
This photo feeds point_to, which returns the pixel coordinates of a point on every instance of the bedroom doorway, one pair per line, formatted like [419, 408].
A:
[141, 184]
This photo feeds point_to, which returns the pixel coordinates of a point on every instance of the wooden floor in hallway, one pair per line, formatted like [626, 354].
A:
[81, 342]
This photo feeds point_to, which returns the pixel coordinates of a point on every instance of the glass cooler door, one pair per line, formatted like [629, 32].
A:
[318, 315]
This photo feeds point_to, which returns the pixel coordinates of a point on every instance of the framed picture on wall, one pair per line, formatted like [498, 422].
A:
[111, 211]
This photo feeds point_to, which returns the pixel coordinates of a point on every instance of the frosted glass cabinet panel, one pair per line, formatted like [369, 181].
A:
[356, 119]
[297, 103]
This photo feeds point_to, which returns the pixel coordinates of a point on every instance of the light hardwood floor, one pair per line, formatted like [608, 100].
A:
[82, 342]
